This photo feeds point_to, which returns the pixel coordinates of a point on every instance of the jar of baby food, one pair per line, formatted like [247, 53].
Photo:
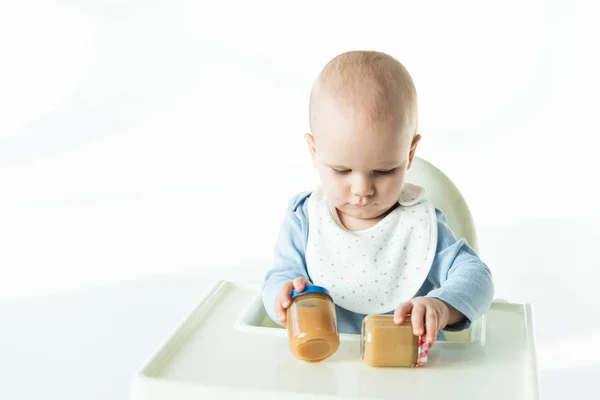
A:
[385, 344]
[311, 324]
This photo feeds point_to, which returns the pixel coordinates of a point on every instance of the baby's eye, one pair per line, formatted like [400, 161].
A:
[340, 171]
[385, 172]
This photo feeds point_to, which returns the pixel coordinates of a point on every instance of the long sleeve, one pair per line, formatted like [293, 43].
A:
[289, 257]
[459, 277]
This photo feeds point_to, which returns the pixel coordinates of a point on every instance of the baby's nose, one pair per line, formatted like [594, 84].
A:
[362, 187]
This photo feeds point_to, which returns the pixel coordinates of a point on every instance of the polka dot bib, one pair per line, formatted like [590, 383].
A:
[375, 270]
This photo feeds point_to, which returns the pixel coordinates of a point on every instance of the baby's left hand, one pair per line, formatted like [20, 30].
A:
[428, 316]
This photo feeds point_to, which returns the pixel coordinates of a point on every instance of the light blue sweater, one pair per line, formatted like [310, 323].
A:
[457, 276]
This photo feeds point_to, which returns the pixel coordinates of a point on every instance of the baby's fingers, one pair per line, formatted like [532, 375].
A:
[418, 317]
[300, 284]
[279, 312]
[401, 311]
[431, 321]
[282, 301]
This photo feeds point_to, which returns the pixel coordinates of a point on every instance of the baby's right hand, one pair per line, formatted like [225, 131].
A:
[283, 298]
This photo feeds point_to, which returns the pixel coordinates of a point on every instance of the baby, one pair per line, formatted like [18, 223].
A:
[365, 234]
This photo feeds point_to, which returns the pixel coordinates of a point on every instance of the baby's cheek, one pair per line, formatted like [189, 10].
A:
[390, 191]
[333, 189]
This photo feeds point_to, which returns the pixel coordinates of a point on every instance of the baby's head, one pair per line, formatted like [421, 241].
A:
[363, 121]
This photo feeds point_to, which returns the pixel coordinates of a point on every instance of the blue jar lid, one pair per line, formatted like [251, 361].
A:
[311, 289]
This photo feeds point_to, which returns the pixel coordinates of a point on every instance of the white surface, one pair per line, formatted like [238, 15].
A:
[130, 130]
[209, 356]
[131, 133]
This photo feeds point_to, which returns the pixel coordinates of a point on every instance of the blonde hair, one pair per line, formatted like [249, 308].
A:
[369, 82]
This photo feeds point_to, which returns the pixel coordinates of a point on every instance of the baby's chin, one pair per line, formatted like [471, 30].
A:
[367, 213]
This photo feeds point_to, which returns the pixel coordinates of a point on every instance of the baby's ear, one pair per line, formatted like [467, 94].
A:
[310, 140]
[413, 149]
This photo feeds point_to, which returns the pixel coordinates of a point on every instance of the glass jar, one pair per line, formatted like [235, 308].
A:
[385, 344]
[312, 325]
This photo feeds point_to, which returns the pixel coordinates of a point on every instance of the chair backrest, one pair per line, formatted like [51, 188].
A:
[444, 195]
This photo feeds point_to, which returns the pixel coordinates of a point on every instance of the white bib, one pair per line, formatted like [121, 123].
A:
[375, 270]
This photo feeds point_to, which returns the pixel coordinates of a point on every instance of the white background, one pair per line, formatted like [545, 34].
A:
[159, 141]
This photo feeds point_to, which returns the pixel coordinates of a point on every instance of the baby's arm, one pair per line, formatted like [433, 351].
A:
[289, 260]
[463, 280]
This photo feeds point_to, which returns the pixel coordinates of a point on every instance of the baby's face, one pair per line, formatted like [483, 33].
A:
[362, 165]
